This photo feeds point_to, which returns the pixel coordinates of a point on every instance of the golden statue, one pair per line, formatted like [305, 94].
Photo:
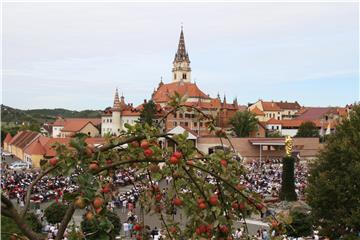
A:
[288, 145]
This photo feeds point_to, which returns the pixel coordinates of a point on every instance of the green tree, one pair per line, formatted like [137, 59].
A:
[287, 191]
[243, 123]
[308, 129]
[94, 230]
[147, 114]
[9, 226]
[301, 225]
[334, 180]
[55, 212]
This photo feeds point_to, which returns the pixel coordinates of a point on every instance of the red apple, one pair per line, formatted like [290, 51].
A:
[53, 161]
[98, 202]
[144, 144]
[177, 202]
[89, 216]
[177, 154]
[106, 188]
[202, 205]
[223, 162]
[235, 205]
[80, 202]
[148, 152]
[214, 200]
[174, 160]
[94, 165]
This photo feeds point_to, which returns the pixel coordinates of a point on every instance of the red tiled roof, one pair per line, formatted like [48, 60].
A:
[165, 91]
[23, 138]
[7, 138]
[94, 141]
[35, 148]
[312, 113]
[257, 111]
[270, 106]
[295, 122]
[76, 124]
[288, 105]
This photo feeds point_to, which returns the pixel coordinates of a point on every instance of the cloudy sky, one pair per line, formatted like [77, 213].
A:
[74, 55]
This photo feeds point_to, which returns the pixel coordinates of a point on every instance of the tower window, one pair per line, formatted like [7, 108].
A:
[174, 75]
[184, 75]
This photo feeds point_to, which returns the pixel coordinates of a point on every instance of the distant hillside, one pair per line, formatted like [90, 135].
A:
[13, 115]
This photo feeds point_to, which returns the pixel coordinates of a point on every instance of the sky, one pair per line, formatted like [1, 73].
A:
[74, 55]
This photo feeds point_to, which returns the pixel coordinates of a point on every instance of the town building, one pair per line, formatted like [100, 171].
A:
[265, 110]
[68, 127]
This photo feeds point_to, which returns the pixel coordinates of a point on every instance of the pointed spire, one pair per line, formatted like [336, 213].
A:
[218, 95]
[116, 100]
[224, 99]
[181, 54]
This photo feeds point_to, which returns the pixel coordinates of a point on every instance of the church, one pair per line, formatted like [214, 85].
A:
[113, 119]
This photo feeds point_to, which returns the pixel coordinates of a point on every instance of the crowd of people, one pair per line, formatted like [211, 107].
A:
[264, 177]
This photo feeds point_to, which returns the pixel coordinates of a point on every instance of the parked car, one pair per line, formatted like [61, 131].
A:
[19, 165]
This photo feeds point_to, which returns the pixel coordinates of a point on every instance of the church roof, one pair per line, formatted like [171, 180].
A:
[165, 91]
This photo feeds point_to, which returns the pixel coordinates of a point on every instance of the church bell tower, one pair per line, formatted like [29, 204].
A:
[181, 65]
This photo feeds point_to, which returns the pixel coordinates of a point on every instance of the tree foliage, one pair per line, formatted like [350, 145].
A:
[287, 191]
[147, 114]
[55, 212]
[301, 224]
[244, 123]
[8, 226]
[308, 129]
[334, 182]
[96, 229]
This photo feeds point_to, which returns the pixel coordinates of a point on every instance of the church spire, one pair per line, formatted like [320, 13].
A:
[181, 64]
[116, 100]
[181, 54]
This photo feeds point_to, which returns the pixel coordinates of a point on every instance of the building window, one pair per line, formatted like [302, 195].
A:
[278, 118]
[201, 124]
[110, 120]
[175, 124]
[195, 124]
[174, 75]
[180, 115]
[184, 75]
[186, 124]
